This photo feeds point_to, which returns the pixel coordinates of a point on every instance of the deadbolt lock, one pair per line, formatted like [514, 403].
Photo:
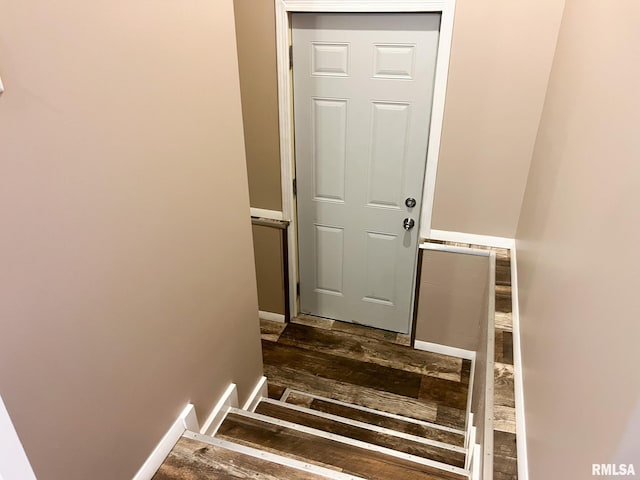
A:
[410, 202]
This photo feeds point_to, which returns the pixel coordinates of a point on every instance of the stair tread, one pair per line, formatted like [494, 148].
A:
[326, 452]
[398, 443]
[378, 419]
[195, 460]
[366, 397]
[334, 367]
[348, 345]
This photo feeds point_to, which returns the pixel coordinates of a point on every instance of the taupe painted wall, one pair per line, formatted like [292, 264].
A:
[500, 61]
[453, 299]
[453, 305]
[256, 34]
[577, 247]
[267, 243]
[127, 286]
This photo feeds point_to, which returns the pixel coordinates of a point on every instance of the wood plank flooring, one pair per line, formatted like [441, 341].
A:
[373, 437]
[193, 460]
[325, 452]
[368, 367]
[399, 425]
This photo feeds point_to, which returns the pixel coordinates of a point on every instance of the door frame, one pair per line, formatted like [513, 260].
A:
[283, 11]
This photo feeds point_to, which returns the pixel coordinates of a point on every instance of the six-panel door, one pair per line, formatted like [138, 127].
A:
[363, 86]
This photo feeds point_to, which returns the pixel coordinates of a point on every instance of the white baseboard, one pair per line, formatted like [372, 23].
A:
[471, 439]
[274, 317]
[472, 238]
[259, 392]
[521, 429]
[270, 214]
[14, 464]
[186, 421]
[444, 350]
[475, 468]
[216, 417]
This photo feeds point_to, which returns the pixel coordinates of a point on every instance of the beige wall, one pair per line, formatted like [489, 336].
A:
[127, 286]
[453, 296]
[453, 305]
[256, 32]
[578, 257]
[500, 61]
[267, 244]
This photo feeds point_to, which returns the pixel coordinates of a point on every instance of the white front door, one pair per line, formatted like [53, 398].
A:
[363, 85]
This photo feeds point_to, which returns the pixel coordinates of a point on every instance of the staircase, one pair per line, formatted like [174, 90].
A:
[319, 424]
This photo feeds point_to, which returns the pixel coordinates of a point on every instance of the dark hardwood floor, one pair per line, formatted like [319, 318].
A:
[325, 452]
[367, 367]
[193, 460]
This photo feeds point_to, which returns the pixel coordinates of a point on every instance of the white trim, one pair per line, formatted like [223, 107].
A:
[14, 464]
[216, 417]
[378, 412]
[487, 440]
[285, 104]
[472, 238]
[475, 463]
[366, 5]
[437, 115]
[367, 426]
[272, 457]
[444, 350]
[471, 438]
[285, 394]
[259, 392]
[451, 249]
[468, 430]
[185, 420]
[273, 317]
[270, 214]
[521, 430]
[350, 441]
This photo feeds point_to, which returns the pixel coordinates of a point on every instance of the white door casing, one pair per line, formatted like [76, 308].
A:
[283, 11]
[363, 86]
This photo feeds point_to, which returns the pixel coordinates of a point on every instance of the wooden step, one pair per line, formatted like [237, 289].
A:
[367, 397]
[421, 447]
[396, 381]
[334, 367]
[330, 450]
[375, 351]
[195, 459]
[381, 419]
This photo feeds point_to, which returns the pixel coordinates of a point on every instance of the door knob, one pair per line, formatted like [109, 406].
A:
[410, 202]
[408, 223]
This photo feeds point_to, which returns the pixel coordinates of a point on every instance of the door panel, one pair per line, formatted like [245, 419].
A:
[329, 250]
[381, 263]
[329, 143]
[388, 140]
[362, 85]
